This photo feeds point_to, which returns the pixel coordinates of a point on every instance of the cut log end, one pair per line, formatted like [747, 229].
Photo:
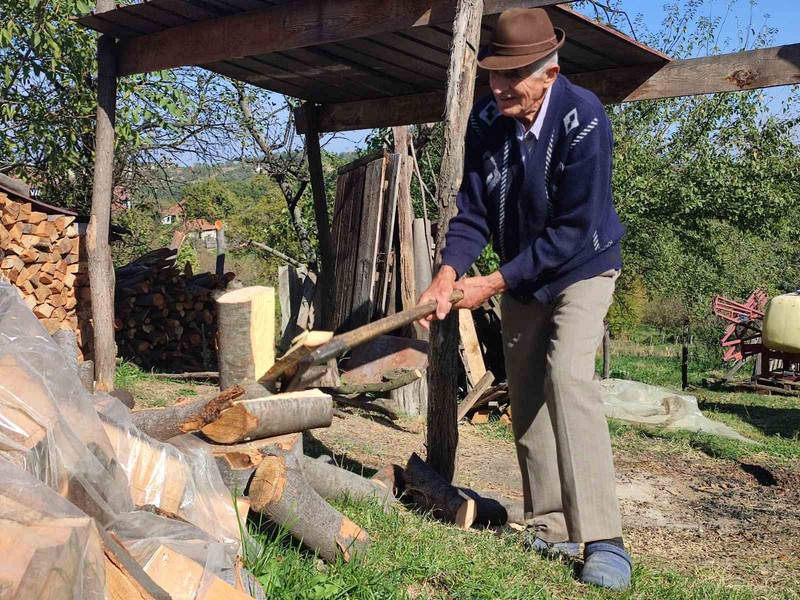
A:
[268, 483]
[228, 427]
[466, 514]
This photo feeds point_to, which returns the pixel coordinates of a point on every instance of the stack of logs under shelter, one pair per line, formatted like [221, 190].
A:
[42, 254]
[165, 318]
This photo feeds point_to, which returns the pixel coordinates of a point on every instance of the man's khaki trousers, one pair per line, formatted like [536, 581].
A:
[562, 439]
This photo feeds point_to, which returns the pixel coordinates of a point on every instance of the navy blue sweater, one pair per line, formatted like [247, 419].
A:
[554, 225]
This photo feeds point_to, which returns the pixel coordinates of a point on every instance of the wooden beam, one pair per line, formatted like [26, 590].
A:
[443, 353]
[293, 25]
[321, 215]
[754, 69]
[768, 67]
[101, 267]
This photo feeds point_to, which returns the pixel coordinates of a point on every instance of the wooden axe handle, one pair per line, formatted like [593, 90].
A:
[346, 341]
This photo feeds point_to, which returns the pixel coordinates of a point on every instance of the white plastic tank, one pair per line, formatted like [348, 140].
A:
[782, 323]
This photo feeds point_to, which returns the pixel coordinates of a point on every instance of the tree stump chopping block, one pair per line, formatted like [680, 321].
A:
[246, 325]
[432, 493]
[280, 491]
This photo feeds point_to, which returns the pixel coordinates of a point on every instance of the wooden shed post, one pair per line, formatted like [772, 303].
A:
[442, 423]
[101, 267]
[320, 213]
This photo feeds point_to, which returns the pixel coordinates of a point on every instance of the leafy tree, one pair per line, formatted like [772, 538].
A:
[48, 102]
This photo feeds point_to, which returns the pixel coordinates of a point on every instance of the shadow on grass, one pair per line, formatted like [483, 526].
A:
[313, 447]
[784, 422]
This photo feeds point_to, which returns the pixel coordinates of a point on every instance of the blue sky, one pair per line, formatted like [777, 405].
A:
[781, 14]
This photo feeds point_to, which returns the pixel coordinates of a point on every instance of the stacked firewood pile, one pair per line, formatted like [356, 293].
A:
[166, 318]
[91, 506]
[41, 255]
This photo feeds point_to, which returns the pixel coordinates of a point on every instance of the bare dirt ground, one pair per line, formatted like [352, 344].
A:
[729, 522]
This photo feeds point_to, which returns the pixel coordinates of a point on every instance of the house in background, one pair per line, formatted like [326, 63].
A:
[171, 215]
[202, 230]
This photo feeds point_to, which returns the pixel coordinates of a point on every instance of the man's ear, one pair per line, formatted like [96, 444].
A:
[550, 75]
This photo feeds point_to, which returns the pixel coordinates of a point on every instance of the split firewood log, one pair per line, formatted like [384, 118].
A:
[267, 417]
[125, 578]
[185, 417]
[238, 462]
[280, 491]
[182, 577]
[331, 482]
[432, 493]
[494, 509]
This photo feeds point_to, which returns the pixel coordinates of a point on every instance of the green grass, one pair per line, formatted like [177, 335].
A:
[773, 422]
[151, 391]
[129, 374]
[412, 556]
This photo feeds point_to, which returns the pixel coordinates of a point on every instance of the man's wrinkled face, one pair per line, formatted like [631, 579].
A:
[520, 92]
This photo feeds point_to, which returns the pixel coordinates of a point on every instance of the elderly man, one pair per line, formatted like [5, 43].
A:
[537, 179]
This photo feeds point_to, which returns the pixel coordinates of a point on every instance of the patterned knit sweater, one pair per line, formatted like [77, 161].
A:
[553, 225]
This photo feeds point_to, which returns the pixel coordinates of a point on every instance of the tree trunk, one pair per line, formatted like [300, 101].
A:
[266, 417]
[280, 491]
[442, 386]
[685, 356]
[432, 493]
[606, 352]
[321, 214]
[246, 334]
[220, 265]
[101, 267]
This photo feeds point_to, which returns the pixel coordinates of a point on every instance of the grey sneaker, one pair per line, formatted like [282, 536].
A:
[568, 550]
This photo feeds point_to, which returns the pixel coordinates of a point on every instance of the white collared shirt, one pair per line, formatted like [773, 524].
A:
[527, 138]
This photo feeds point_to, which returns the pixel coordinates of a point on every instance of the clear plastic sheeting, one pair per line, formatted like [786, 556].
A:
[183, 483]
[50, 549]
[638, 402]
[72, 458]
[152, 539]
[48, 425]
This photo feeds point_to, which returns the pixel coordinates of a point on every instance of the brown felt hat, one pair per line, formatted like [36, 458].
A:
[521, 37]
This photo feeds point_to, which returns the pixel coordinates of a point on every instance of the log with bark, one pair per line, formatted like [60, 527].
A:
[432, 493]
[246, 339]
[393, 477]
[280, 491]
[266, 417]
[332, 482]
[366, 405]
[184, 417]
[238, 462]
[391, 380]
